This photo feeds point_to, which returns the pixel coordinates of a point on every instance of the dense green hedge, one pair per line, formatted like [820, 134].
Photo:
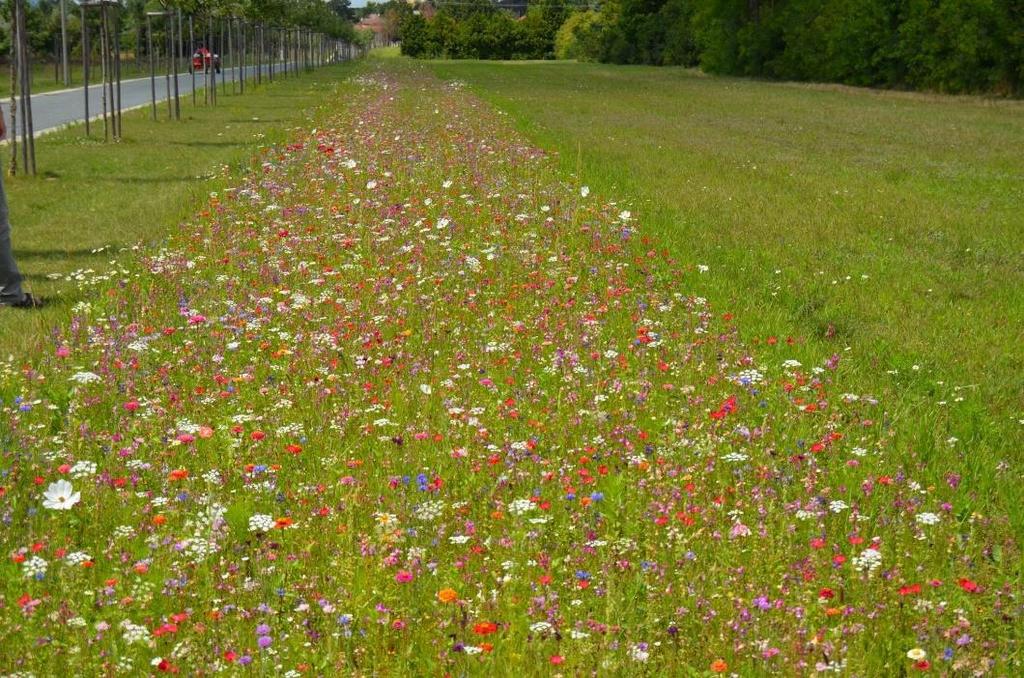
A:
[946, 45]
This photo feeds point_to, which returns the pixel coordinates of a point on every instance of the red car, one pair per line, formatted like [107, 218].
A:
[203, 59]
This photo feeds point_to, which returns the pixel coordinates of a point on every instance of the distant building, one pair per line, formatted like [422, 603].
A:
[425, 10]
[373, 22]
[516, 7]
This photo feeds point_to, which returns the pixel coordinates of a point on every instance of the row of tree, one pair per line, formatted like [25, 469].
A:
[252, 37]
[43, 21]
[480, 29]
[944, 45]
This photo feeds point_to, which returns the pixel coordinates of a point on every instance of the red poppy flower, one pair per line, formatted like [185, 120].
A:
[485, 628]
[910, 589]
[968, 585]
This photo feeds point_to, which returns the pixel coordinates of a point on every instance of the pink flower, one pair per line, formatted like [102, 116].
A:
[403, 576]
[739, 530]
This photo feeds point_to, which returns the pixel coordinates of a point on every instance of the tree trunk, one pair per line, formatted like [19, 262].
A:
[12, 132]
[229, 51]
[175, 57]
[138, 47]
[169, 30]
[85, 66]
[191, 51]
[152, 66]
[28, 159]
[64, 52]
[104, 69]
[117, 71]
[241, 50]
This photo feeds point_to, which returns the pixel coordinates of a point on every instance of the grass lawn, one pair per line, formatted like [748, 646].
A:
[884, 227]
[92, 200]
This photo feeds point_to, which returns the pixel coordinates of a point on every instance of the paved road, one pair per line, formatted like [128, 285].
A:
[53, 110]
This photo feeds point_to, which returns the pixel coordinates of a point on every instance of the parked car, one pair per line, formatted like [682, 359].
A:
[202, 59]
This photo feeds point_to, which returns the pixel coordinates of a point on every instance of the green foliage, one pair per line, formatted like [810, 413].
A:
[478, 29]
[415, 37]
[945, 45]
[43, 20]
[573, 38]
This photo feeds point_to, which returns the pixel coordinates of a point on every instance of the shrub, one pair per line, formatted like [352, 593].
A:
[947, 45]
[573, 37]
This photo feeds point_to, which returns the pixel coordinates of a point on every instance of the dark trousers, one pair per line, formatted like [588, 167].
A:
[10, 276]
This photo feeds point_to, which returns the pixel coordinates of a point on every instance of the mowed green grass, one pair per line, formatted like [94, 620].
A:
[887, 228]
[91, 201]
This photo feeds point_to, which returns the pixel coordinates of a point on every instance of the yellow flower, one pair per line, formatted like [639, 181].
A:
[447, 595]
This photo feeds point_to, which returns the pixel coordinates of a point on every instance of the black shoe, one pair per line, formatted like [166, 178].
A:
[28, 301]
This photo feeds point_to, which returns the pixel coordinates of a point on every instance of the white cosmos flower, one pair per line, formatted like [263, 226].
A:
[584, 191]
[261, 522]
[60, 495]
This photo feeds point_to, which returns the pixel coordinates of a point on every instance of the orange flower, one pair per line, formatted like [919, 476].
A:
[283, 522]
[159, 520]
[178, 474]
[719, 666]
[447, 595]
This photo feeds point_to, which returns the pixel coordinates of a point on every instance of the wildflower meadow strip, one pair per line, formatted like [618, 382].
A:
[407, 401]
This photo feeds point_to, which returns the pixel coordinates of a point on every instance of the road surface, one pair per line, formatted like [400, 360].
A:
[53, 110]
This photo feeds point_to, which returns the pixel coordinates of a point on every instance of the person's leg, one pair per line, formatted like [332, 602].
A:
[10, 276]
